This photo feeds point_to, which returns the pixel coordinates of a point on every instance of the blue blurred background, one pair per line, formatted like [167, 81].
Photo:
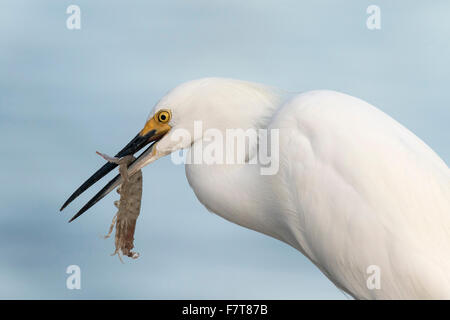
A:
[66, 93]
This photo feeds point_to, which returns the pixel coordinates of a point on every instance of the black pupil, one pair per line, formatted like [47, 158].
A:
[163, 117]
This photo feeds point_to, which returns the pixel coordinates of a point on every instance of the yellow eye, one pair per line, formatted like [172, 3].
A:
[163, 116]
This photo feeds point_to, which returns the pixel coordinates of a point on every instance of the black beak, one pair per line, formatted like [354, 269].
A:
[132, 147]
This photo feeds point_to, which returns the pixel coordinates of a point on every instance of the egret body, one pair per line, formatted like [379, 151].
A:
[354, 188]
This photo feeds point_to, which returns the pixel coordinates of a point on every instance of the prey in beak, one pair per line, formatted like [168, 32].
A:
[155, 128]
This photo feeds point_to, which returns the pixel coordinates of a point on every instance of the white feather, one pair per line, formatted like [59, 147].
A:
[354, 188]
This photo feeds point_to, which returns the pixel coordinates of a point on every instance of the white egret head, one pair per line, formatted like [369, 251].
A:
[217, 103]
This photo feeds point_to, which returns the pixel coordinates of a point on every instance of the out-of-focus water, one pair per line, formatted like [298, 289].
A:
[66, 93]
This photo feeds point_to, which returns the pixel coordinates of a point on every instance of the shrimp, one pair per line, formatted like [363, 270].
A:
[129, 207]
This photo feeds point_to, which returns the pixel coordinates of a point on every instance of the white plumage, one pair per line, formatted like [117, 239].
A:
[354, 188]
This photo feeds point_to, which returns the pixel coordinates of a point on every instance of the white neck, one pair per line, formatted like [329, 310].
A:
[234, 191]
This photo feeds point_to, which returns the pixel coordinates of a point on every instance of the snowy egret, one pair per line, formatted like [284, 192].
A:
[355, 191]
